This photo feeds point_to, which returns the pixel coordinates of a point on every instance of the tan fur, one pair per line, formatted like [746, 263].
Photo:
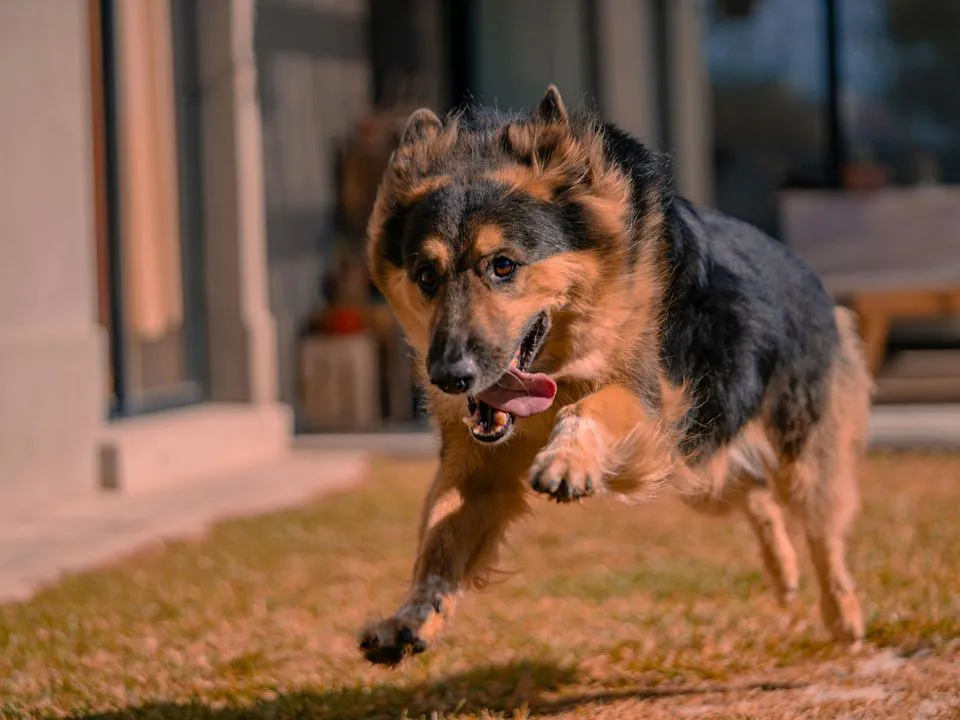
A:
[487, 240]
[415, 193]
[410, 308]
[521, 180]
[438, 253]
[601, 435]
[765, 514]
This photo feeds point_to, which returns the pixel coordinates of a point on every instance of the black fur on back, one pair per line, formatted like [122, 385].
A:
[746, 320]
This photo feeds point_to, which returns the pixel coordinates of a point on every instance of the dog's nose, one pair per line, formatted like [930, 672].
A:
[453, 377]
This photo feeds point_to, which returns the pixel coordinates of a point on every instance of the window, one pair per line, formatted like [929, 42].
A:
[147, 157]
[898, 61]
[768, 71]
[814, 94]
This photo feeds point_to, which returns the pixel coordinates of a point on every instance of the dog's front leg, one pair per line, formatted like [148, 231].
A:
[606, 433]
[457, 550]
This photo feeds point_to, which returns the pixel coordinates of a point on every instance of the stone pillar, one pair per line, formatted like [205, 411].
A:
[691, 116]
[53, 399]
[242, 331]
[627, 67]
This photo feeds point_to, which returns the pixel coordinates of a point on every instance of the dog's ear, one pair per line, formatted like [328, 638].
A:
[423, 124]
[551, 108]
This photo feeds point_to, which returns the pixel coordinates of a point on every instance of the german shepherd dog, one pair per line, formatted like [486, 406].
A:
[581, 329]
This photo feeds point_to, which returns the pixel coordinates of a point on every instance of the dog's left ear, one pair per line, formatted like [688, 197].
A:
[551, 108]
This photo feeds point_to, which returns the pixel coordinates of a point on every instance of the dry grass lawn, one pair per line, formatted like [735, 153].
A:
[613, 611]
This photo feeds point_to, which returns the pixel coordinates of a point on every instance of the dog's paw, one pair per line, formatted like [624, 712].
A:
[388, 642]
[563, 476]
[569, 468]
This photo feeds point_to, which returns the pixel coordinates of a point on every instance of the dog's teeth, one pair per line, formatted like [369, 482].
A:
[473, 419]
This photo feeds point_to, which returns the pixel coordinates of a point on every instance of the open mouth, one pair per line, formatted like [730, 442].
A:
[518, 392]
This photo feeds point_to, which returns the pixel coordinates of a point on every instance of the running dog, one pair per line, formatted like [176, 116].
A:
[579, 328]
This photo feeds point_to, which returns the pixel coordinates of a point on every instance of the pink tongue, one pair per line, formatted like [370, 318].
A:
[521, 394]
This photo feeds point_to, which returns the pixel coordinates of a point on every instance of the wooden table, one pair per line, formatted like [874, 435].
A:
[879, 308]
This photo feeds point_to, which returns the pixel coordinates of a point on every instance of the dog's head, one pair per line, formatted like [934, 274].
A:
[486, 231]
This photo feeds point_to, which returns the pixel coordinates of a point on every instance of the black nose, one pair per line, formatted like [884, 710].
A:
[453, 377]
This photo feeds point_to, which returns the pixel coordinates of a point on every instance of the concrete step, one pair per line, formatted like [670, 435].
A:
[915, 426]
[69, 537]
[160, 450]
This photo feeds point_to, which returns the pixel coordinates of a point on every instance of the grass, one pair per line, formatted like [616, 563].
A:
[612, 610]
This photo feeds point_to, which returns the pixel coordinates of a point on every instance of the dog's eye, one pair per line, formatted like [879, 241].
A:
[427, 279]
[503, 267]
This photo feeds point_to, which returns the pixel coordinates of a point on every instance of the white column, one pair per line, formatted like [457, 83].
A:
[52, 351]
[691, 116]
[242, 330]
[627, 67]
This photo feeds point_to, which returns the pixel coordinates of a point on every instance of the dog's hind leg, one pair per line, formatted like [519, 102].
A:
[821, 485]
[742, 477]
[766, 517]
[758, 502]
[826, 499]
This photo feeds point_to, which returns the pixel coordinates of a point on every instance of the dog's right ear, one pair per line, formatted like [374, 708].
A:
[423, 124]
[551, 108]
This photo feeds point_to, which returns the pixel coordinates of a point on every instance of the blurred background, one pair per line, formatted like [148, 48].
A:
[186, 186]
[188, 334]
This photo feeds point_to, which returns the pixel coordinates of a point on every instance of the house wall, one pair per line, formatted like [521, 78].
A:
[55, 441]
[52, 352]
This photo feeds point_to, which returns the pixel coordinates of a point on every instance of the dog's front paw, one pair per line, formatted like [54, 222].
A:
[388, 642]
[570, 467]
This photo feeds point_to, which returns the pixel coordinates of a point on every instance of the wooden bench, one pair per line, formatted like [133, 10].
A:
[879, 308]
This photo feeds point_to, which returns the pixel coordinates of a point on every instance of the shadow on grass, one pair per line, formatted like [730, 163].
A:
[498, 689]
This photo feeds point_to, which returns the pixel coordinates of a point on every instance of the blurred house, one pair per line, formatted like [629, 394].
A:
[171, 201]
[134, 257]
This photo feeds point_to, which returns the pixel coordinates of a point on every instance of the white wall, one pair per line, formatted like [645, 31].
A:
[52, 360]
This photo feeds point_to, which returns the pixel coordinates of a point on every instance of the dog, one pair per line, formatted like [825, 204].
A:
[579, 328]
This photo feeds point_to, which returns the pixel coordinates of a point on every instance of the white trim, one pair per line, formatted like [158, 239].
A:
[241, 328]
[627, 68]
[691, 131]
